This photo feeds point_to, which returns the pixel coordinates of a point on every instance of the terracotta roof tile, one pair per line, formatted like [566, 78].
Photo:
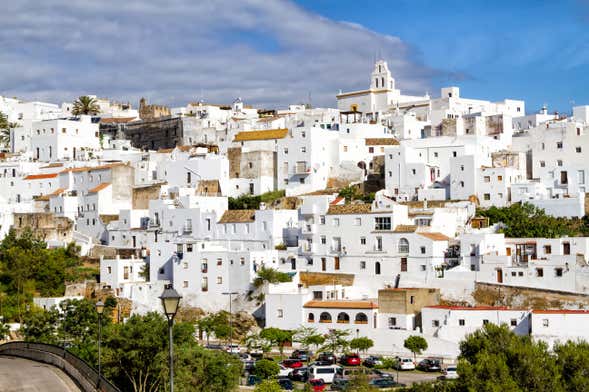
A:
[91, 168]
[116, 120]
[268, 134]
[99, 187]
[361, 304]
[435, 236]
[46, 197]
[40, 176]
[52, 165]
[405, 229]
[471, 307]
[344, 209]
[337, 200]
[560, 311]
[381, 141]
[238, 216]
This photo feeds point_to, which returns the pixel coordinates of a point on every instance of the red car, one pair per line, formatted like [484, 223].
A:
[351, 360]
[292, 363]
[318, 385]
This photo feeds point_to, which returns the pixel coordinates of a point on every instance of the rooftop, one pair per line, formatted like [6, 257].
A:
[238, 216]
[435, 236]
[269, 134]
[381, 141]
[40, 176]
[355, 208]
[343, 304]
[99, 187]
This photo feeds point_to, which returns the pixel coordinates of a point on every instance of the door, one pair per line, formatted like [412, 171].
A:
[293, 264]
[134, 242]
[566, 248]
[336, 263]
[499, 275]
[403, 264]
[323, 264]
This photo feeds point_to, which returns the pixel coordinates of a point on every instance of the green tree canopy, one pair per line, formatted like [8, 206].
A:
[308, 337]
[277, 337]
[265, 368]
[572, 359]
[270, 275]
[361, 344]
[85, 105]
[336, 341]
[268, 386]
[416, 344]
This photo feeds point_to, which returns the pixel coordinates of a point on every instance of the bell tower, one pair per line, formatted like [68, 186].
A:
[381, 76]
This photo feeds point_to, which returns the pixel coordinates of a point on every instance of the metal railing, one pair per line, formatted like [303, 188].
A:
[35, 351]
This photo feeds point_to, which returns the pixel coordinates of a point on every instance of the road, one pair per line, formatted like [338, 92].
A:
[22, 375]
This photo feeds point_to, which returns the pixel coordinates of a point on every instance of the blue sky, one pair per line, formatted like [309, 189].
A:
[275, 52]
[533, 50]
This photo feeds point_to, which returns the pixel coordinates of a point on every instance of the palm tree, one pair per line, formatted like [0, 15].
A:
[5, 127]
[85, 105]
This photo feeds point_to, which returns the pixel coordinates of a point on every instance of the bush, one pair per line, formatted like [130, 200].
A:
[270, 275]
[266, 369]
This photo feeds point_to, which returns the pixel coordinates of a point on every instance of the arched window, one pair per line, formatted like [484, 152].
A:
[377, 268]
[403, 245]
[343, 318]
[311, 318]
[382, 82]
[376, 81]
[361, 318]
[325, 317]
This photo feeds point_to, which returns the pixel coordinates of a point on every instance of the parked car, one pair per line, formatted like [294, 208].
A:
[430, 365]
[214, 347]
[405, 364]
[340, 384]
[450, 373]
[325, 373]
[292, 363]
[300, 374]
[245, 357]
[302, 355]
[321, 363]
[352, 371]
[233, 348]
[248, 365]
[253, 380]
[285, 384]
[350, 360]
[384, 383]
[380, 374]
[284, 371]
[318, 385]
[373, 361]
[327, 357]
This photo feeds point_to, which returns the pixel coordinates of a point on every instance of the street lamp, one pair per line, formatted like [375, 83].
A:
[170, 301]
[99, 309]
[230, 293]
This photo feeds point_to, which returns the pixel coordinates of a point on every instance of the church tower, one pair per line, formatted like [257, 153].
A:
[381, 77]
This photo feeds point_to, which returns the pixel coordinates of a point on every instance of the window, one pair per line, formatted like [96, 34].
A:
[487, 196]
[185, 284]
[559, 162]
[403, 245]
[547, 249]
[454, 153]
[485, 322]
[322, 219]
[286, 150]
[280, 313]
[545, 323]
[435, 323]
[487, 179]
[362, 265]
[499, 178]
[204, 285]
[435, 154]
[461, 322]
[242, 261]
[109, 269]
[581, 176]
[185, 265]
[219, 280]
[303, 149]
[335, 221]
[362, 240]
[188, 248]
[371, 150]
[204, 266]
[382, 223]
[513, 322]
[542, 164]
[539, 272]
[578, 149]
[558, 272]
[357, 221]
[413, 171]
[422, 249]
[462, 184]
[558, 144]
[219, 262]
[323, 240]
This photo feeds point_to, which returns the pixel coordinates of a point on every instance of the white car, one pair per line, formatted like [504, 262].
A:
[233, 349]
[450, 373]
[284, 371]
[405, 364]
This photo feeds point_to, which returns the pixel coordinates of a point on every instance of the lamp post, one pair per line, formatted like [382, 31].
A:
[170, 301]
[230, 293]
[99, 310]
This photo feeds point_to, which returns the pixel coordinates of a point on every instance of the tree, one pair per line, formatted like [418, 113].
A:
[4, 330]
[277, 337]
[307, 337]
[361, 344]
[265, 368]
[572, 359]
[416, 344]
[85, 105]
[268, 386]
[253, 341]
[496, 359]
[199, 370]
[5, 127]
[135, 352]
[335, 340]
[41, 326]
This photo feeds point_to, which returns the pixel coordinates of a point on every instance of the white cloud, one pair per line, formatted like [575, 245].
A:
[268, 52]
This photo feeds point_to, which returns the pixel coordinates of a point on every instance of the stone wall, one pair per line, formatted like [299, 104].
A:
[142, 196]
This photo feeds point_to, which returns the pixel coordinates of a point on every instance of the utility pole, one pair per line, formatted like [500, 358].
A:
[230, 294]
